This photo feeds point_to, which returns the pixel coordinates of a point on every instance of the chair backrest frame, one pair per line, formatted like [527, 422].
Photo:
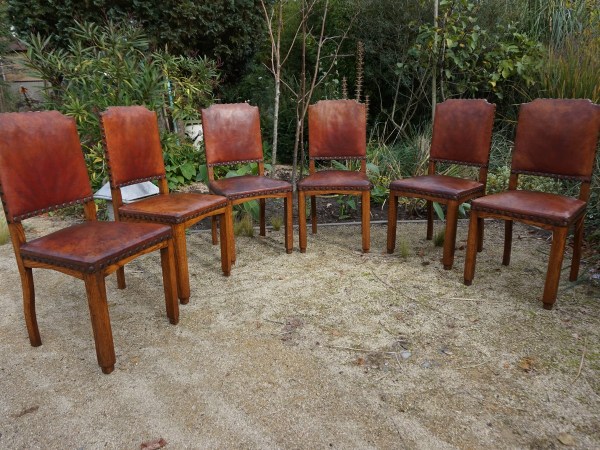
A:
[462, 134]
[232, 136]
[547, 129]
[337, 130]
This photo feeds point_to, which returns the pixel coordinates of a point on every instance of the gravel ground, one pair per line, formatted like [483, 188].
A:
[328, 349]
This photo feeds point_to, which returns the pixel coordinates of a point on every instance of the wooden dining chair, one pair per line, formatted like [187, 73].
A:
[134, 154]
[232, 136]
[337, 130]
[557, 139]
[42, 169]
[462, 134]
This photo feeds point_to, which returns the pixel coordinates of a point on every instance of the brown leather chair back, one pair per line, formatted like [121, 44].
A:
[337, 129]
[557, 137]
[462, 132]
[132, 145]
[232, 134]
[41, 164]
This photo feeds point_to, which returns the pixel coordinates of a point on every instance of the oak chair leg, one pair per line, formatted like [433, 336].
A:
[429, 220]
[313, 213]
[365, 208]
[121, 278]
[213, 227]
[302, 221]
[167, 262]
[29, 307]
[577, 242]
[480, 225]
[289, 226]
[96, 294]
[232, 254]
[508, 234]
[226, 229]
[471, 255]
[450, 234]
[181, 264]
[557, 252]
[263, 227]
[392, 222]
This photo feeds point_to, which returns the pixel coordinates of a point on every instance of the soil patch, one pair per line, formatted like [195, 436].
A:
[330, 348]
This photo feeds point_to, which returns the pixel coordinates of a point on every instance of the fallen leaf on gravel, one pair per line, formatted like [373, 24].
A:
[527, 364]
[153, 445]
[566, 439]
[360, 361]
[27, 411]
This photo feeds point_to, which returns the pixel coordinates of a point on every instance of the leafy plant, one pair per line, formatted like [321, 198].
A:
[111, 65]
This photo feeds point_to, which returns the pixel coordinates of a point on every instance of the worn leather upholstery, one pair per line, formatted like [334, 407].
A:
[330, 135]
[92, 246]
[462, 131]
[336, 180]
[232, 134]
[132, 157]
[441, 186]
[462, 134]
[134, 154]
[37, 149]
[542, 145]
[541, 207]
[555, 138]
[248, 186]
[174, 207]
[42, 168]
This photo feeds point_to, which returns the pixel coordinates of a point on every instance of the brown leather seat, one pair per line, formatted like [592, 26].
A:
[337, 130]
[462, 134]
[134, 154]
[232, 136]
[557, 139]
[38, 152]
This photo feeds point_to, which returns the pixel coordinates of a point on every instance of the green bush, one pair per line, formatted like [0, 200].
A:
[111, 65]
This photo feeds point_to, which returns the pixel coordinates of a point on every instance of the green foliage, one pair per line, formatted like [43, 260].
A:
[226, 30]
[110, 65]
[472, 61]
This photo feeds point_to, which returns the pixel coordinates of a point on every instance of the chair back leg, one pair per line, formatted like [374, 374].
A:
[508, 234]
[471, 255]
[262, 219]
[29, 306]
[365, 208]
[429, 220]
[313, 213]
[557, 253]
[577, 243]
[289, 226]
[392, 222]
[450, 234]
[302, 221]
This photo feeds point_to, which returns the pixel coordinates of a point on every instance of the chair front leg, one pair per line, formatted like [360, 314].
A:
[577, 242]
[392, 221]
[96, 295]
[263, 227]
[365, 207]
[181, 264]
[302, 220]
[289, 226]
[480, 226]
[450, 234]
[226, 230]
[471, 255]
[557, 253]
[167, 262]
[29, 306]
[508, 232]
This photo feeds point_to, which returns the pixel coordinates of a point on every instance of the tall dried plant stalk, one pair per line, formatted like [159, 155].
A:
[344, 88]
[360, 66]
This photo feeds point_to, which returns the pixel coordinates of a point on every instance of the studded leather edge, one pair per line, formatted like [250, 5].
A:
[171, 219]
[530, 217]
[37, 212]
[551, 175]
[331, 158]
[335, 188]
[462, 163]
[230, 163]
[92, 268]
[257, 194]
[463, 195]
